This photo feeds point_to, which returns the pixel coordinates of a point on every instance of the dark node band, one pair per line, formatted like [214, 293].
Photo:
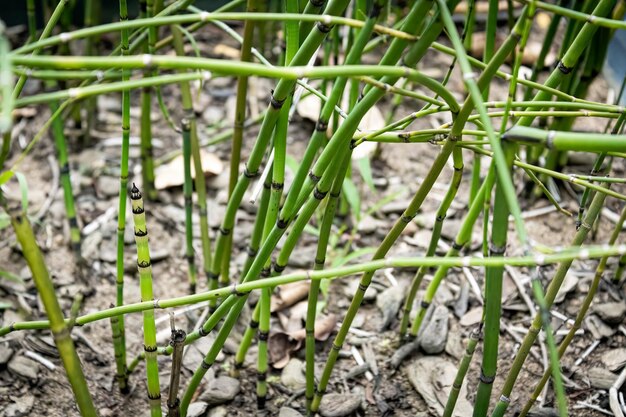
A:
[238, 365]
[279, 268]
[203, 212]
[190, 258]
[144, 264]
[187, 200]
[205, 365]
[141, 233]
[320, 391]
[352, 144]
[248, 174]
[441, 217]
[65, 169]
[323, 27]
[424, 304]
[565, 70]
[320, 261]
[138, 210]
[212, 275]
[224, 231]
[261, 375]
[236, 291]
[317, 3]
[73, 222]
[335, 195]
[406, 219]
[321, 125]
[486, 379]
[496, 250]
[263, 335]
[266, 186]
[282, 223]
[266, 272]
[313, 177]
[457, 246]
[251, 252]
[260, 402]
[156, 397]
[254, 324]
[362, 287]
[336, 347]
[319, 195]
[277, 185]
[277, 104]
[202, 332]
[310, 332]
[149, 349]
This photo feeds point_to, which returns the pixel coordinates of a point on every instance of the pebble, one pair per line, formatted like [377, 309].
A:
[293, 376]
[339, 405]
[611, 313]
[389, 302]
[21, 406]
[197, 409]
[600, 378]
[220, 390]
[5, 354]
[288, 412]
[107, 186]
[24, 368]
[598, 328]
[435, 333]
[614, 359]
[454, 345]
[108, 251]
[220, 411]
[472, 317]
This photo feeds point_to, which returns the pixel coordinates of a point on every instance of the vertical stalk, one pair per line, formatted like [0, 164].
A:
[121, 374]
[552, 290]
[147, 163]
[240, 118]
[462, 371]
[58, 327]
[493, 296]
[199, 179]
[177, 342]
[64, 168]
[187, 191]
[120, 348]
[32, 20]
[145, 282]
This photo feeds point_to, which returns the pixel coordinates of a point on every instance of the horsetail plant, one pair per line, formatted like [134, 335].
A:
[144, 267]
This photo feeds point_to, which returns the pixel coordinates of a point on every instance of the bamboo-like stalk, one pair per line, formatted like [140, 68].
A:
[119, 327]
[145, 282]
[199, 179]
[177, 341]
[58, 326]
[146, 10]
[188, 190]
[582, 312]
[493, 297]
[565, 255]
[64, 169]
[551, 292]
[462, 371]
[240, 118]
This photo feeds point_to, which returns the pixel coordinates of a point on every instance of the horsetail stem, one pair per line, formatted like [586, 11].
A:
[121, 374]
[177, 342]
[187, 190]
[551, 292]
[58, 326]
[144, 267]
[462, 371]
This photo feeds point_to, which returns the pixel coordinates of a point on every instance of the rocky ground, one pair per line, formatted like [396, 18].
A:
[369, 379]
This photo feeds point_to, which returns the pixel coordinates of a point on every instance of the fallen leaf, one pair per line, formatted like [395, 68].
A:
[172, 174]
[289, 295]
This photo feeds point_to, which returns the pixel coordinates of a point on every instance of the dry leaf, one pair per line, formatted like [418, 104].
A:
[289, 295]
[226, 51]
[172, 174]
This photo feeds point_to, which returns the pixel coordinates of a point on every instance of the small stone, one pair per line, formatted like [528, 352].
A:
[21, 406]
[368, 225]
[339, 405]
[293, 376]
[107, 186]
[611, 313]
[543, 412]
[454, 345]
[197, 409]
[220, 390]
[5, 354]
[389, 302]
[288, 412]
[108, 251]
[600, 378]
[472, 317]
[24, 368]
[598, 328]
[435, 333]
[570, 282]
[614, 359]
[213, 114]
[220, 411]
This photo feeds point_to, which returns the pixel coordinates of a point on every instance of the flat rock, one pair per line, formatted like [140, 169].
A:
[5, 354]
[220, 390]
[288, 412]
[220, 411]
[389, 302]
[435, 333]
[24, 368]
[339, 405]
[600, 378]
[293, 376]
[611, 313]
[432, 377]
[614, 359]
[197, 409]
[569, 284]
[598, 328]
[472, 317]
[107, 186]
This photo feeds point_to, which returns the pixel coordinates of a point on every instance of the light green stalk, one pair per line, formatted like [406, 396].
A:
[145, 282]
[57, 324]
[462, 371]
